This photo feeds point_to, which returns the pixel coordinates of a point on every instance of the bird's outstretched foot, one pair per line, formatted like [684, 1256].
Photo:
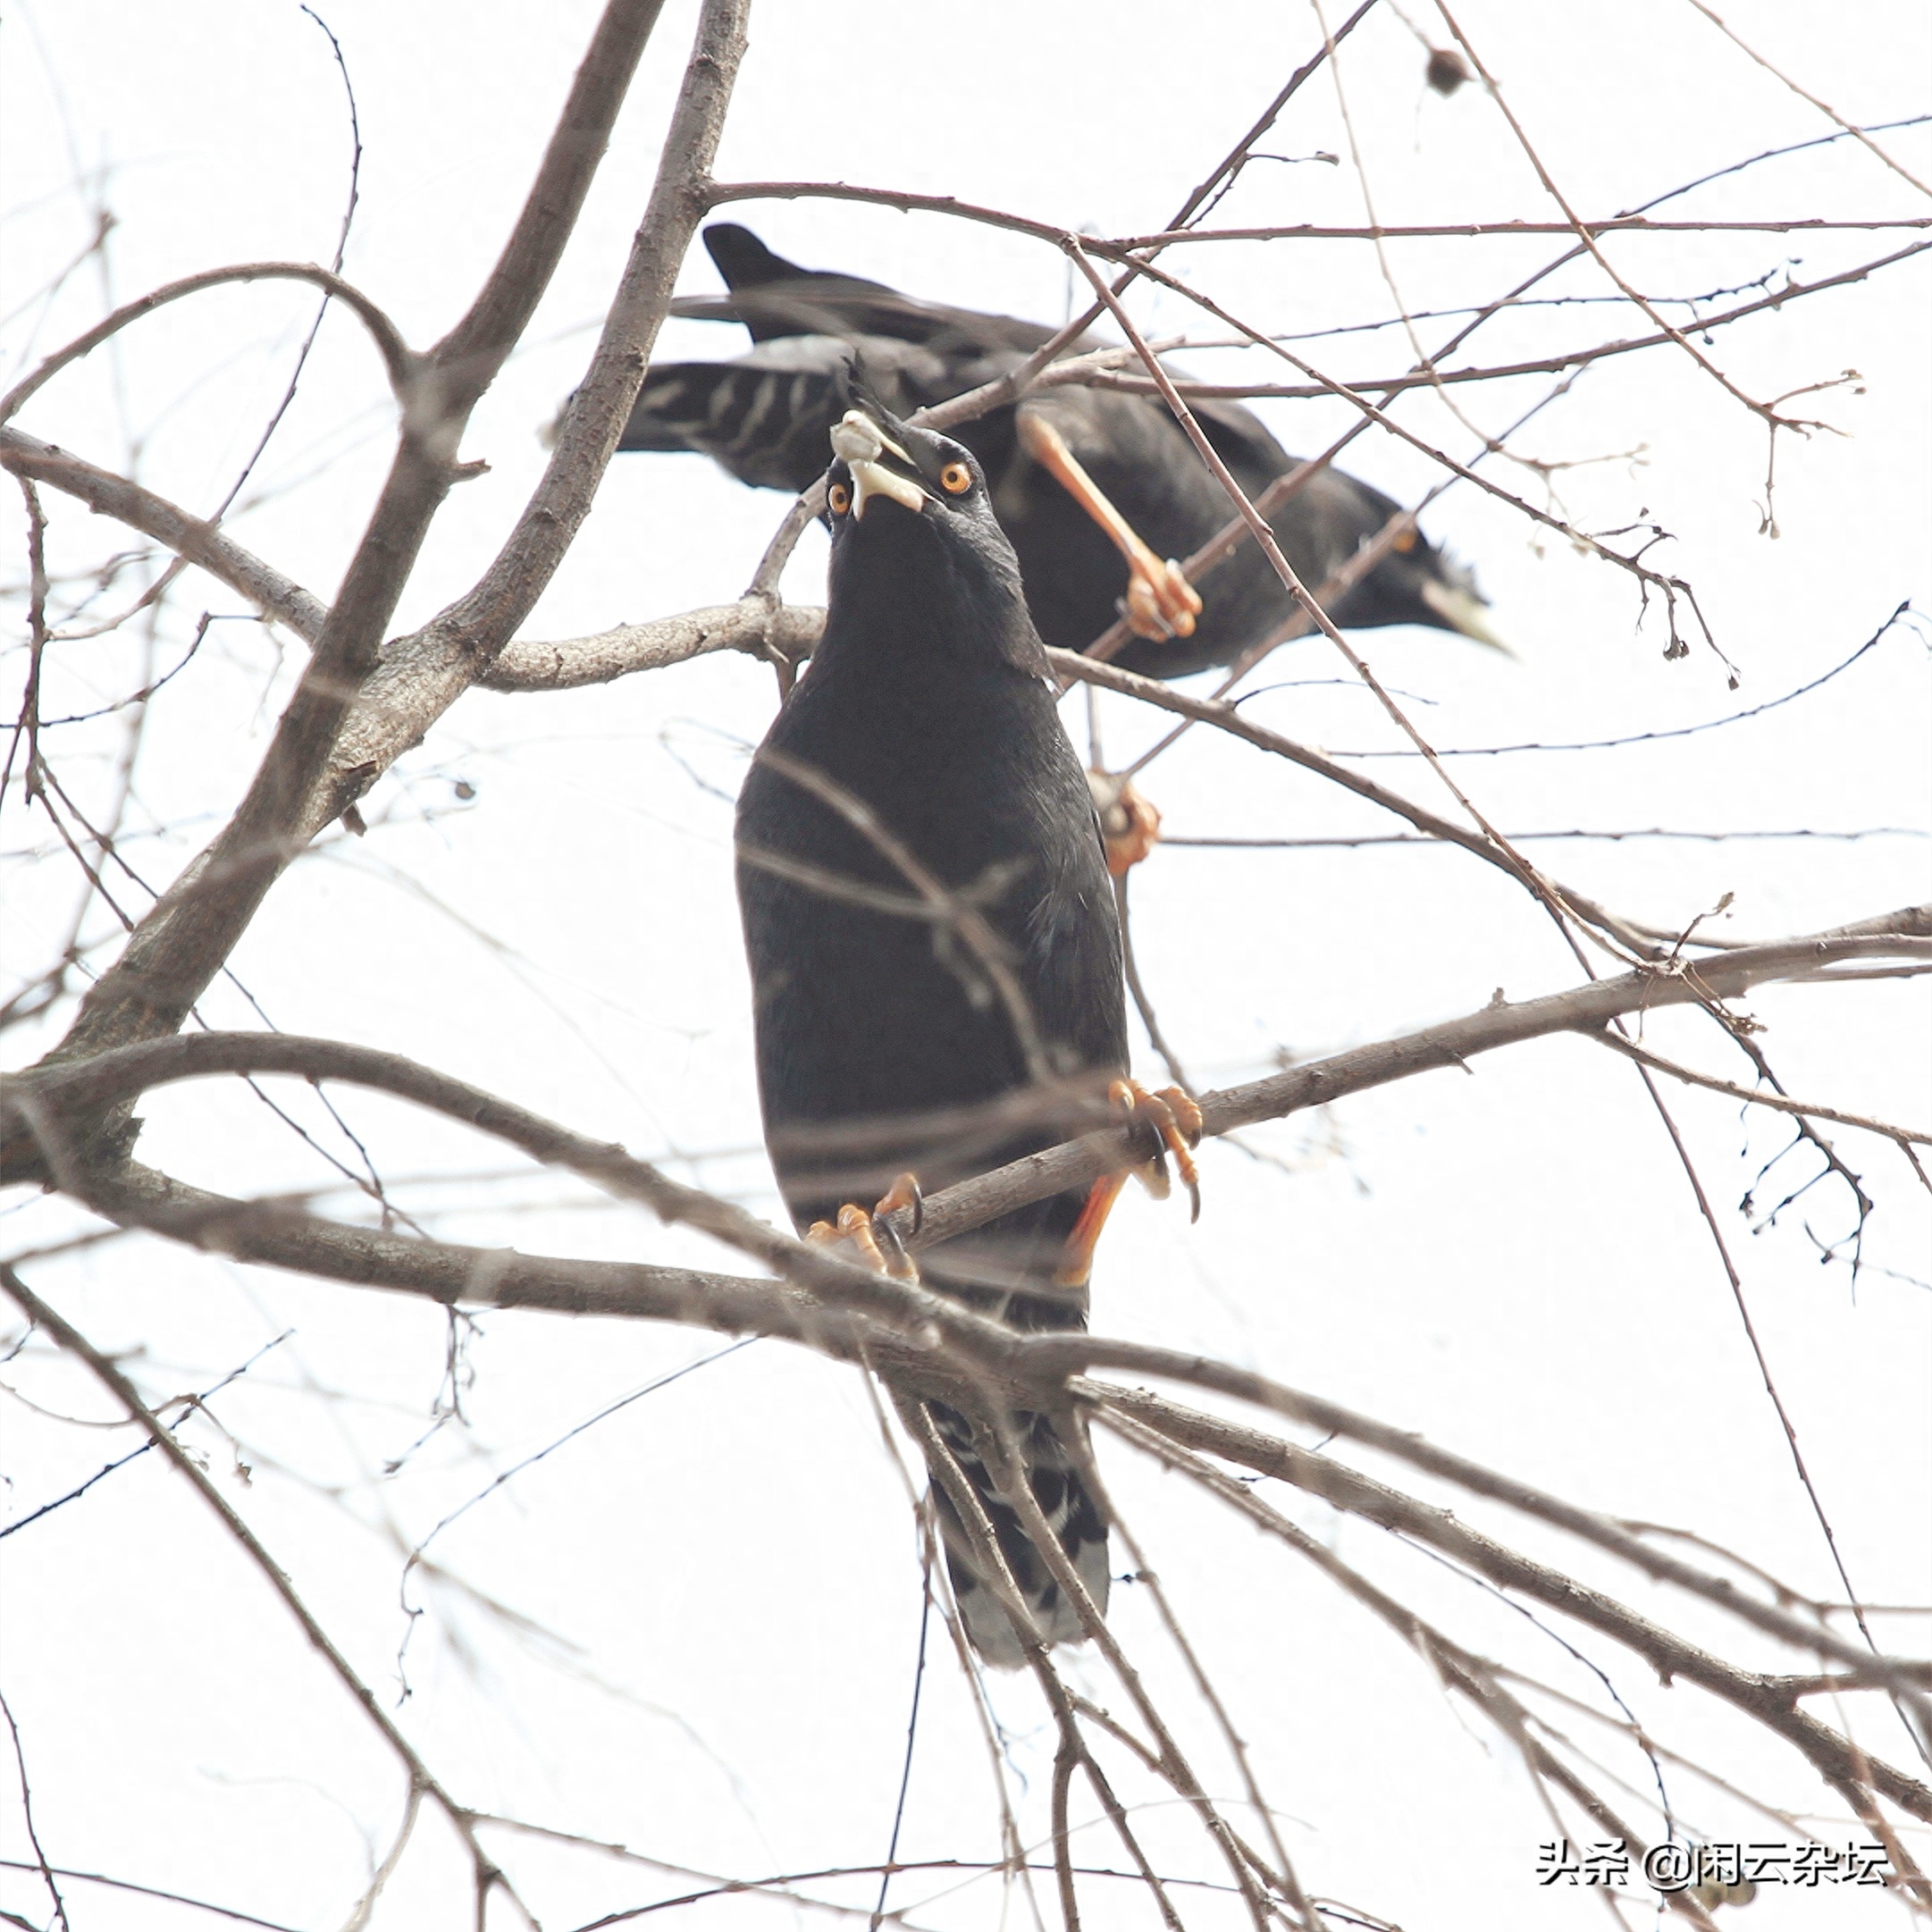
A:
[1130, 824]
[1160, 602]
[1172, 1120]
[871, 1231]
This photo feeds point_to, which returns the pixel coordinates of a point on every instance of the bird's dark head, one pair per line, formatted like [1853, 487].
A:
[913, 526]
[1418, 584]
[876, 456]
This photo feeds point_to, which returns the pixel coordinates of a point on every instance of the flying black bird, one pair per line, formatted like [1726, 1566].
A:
[935, 957]
[1081, 478]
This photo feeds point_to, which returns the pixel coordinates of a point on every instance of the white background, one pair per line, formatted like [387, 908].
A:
[692, 1629]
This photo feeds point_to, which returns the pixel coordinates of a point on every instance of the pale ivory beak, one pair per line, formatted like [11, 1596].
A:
[861, 442]
[1463, 613]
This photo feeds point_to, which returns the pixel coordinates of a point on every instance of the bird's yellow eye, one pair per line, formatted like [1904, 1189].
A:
[956, 478]
[839, 498]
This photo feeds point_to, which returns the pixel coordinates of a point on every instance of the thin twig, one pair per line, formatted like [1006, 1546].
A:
[1857, 133]
[400, 361]
[488, 1875]
[1756, 1096]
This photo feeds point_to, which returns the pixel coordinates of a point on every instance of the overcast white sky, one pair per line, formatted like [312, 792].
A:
[692, 1629]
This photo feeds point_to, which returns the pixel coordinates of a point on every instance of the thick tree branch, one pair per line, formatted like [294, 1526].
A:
[446, 656]
[47, 1113]
[46, 1117]
[1907, 937]
[202, 543]
[755, 623]
[309, 776]
[759, 625]
[275, 1235]
[995, 1358]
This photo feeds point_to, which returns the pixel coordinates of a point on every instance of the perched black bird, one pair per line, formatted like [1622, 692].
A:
[934, 951]
[1134, 485]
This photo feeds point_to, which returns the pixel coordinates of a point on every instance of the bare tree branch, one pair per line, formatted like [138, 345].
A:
[309, 776]
[44, 1109]
[370, 695]
[754, 623]
[1459, 1669]
[759, 625]
[1229, 717]
[1017, 1363]
[204, 544]
[1759, 1096]
[1582, 1008]
[1770, 1701]
[1612, 224]
[398, 358]
[1099, 376]
[487, 1875]
[1832, 113]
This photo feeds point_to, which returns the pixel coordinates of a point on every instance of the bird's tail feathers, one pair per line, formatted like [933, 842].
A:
[765, 422]
[1053, 1473]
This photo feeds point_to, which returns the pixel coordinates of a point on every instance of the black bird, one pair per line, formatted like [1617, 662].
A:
[1079, 476]
[935, 957]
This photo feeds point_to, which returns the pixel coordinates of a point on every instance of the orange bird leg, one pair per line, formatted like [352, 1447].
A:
[1173, 1120]
[1160, 602]
[1077, 1257]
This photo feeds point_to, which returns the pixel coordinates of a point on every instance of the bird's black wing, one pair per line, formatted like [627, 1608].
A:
[775, 298]
[765, 416]
[1242, 441]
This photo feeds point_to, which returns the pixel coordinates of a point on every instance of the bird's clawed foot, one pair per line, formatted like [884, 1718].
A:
[1130, 824]
[1172, 1120]
[871, 1233]
[1160, 601]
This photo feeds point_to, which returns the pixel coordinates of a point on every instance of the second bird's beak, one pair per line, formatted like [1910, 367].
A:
[862, 443]
[1462, 611]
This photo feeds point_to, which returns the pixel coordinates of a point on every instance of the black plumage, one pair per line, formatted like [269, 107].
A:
[764, 417]
[920, 754]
